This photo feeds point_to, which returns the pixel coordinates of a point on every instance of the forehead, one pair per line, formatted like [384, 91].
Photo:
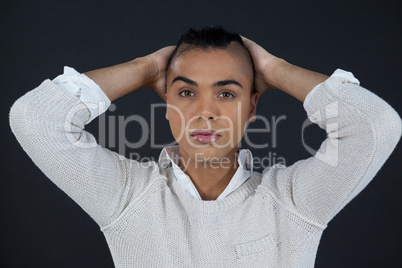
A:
[210, 64]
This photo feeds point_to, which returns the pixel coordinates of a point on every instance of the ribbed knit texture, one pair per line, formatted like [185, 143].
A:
[275, 219]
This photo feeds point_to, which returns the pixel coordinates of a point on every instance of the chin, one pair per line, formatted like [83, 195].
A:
[210, 152]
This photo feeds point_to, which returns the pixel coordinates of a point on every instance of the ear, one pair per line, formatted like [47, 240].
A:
[253, 107]
[165, 99]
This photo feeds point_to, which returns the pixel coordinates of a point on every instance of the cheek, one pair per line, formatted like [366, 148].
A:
[177, 121]
[243, 117]
[241, 112]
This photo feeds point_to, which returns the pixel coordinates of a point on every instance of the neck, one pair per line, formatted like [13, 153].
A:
[210, 178]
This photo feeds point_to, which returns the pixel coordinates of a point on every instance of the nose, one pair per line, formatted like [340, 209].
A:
[207, 109]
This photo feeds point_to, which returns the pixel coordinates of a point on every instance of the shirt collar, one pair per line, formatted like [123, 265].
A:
[170, 155]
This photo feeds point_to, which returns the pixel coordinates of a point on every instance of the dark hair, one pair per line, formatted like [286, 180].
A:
[209, 37]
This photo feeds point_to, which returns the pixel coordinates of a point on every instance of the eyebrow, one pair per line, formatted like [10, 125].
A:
[227, 82]
[220, 83]
[184, 79]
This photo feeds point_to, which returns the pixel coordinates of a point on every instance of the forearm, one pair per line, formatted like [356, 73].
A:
[293, 80]
[119, 80]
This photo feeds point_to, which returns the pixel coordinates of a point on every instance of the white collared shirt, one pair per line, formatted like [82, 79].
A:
[243, 172]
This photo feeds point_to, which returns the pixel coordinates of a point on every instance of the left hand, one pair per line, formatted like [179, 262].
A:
[263, 64]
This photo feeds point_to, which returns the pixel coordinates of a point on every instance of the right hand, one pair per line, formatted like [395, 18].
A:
[157, 68]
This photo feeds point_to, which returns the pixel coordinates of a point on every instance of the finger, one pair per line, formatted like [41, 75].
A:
[166, 50]
[169, 48]
[244, 38]
[247, 42]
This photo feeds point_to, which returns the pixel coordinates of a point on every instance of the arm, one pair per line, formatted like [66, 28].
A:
[119, 80]
[273, 72]
[362, 132]
[49, 124]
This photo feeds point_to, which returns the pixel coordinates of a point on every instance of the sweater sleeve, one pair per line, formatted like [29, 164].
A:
[362, 131]
[48, 122]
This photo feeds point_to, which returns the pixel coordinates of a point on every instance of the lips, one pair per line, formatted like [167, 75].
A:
[205, 135]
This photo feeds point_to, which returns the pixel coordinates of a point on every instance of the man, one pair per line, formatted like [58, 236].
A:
[202, 205]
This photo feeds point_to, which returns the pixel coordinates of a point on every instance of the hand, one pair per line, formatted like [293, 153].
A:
[263, 63]
[158, 63]
[274, 72]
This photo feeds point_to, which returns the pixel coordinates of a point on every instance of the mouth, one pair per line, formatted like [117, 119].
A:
[205, 135]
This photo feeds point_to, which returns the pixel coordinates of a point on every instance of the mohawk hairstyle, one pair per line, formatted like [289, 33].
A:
[209, 36]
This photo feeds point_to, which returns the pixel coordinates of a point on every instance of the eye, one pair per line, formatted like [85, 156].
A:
[227, 95]
[186, 93]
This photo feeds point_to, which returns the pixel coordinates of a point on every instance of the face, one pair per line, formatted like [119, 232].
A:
[209, 103]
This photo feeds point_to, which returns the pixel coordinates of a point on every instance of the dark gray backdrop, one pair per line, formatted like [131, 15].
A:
[42, 227]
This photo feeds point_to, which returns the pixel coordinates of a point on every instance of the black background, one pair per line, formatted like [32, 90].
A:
[42, 227]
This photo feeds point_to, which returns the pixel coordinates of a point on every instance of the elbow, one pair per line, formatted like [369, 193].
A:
[389, 127]
[24, 116]
[17, 116]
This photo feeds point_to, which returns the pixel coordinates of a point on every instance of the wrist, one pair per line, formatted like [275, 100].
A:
[274, 71]
[141, 69]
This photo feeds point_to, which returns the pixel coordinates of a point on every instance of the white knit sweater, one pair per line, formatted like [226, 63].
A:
[275, 219]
